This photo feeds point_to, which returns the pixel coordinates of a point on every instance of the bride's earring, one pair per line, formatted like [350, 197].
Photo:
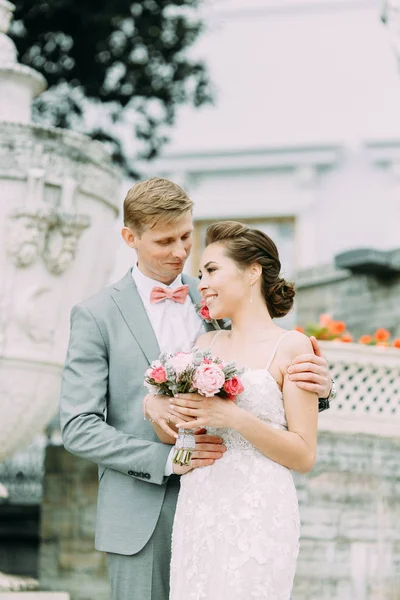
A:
[251, 293]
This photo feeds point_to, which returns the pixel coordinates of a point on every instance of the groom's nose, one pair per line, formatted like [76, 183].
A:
[179, 251]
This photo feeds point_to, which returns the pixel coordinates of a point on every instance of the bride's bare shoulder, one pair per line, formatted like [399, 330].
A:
[295, 343]
[205, 340]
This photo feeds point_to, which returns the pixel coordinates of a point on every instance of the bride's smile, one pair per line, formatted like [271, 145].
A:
[223, 285]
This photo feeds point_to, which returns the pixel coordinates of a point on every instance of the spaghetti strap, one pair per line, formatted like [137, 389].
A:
[214, 338]
[275, 349]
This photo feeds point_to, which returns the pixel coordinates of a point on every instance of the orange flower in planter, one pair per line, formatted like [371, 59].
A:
[327, 329]
[382, 335]
[365, 339]
[337, 327]
[347, 338]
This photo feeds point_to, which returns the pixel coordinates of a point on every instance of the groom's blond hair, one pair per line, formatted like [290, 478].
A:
[154, 200]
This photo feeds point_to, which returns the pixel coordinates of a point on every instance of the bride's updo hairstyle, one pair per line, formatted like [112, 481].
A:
[247, 246]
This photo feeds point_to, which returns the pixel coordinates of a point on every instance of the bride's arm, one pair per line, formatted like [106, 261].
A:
[296, 447]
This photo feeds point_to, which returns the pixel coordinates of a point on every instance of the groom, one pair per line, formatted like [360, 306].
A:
[114, 336]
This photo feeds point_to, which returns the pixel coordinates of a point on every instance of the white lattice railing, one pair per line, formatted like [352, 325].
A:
[368, 382]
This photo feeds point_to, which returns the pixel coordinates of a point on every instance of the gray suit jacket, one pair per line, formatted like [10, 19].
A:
[111, 345]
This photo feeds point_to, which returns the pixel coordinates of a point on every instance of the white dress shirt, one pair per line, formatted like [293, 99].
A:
[176, 326]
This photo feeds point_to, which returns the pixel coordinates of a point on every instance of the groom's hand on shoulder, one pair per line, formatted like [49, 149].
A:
[311, 372]
[209, 448]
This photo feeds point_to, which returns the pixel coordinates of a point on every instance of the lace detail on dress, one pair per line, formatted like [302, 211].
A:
[236, 529]
[258, 384]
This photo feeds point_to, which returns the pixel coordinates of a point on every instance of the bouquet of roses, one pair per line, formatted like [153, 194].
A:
[192, 372]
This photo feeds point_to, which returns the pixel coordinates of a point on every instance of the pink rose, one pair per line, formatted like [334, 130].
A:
[233, 387]
[208, 379]
[158, 374]
[204, 311]
[154, 365]
[180, 362]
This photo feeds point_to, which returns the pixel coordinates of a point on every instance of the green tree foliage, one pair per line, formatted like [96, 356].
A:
[125, 64]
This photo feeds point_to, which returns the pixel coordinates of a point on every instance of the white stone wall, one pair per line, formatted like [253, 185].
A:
[349, 508]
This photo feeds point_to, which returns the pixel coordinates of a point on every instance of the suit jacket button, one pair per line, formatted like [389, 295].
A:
[147, 475]
[130, 473]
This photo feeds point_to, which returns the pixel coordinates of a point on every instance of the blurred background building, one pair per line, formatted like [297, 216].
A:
[302, 141]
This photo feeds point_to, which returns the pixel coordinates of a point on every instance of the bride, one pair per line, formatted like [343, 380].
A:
[236, 528]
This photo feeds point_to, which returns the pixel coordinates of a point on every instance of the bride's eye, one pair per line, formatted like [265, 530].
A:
[211, 269]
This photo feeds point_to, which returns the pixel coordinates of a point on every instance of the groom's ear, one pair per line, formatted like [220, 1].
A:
[130, 237]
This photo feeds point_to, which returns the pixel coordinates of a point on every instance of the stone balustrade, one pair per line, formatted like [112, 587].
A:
[368, 382]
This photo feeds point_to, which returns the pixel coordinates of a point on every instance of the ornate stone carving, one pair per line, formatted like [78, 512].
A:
[62, 241]
[27, 226]
[39, 231]
[53, 236]
[26, 236]
[62, 155]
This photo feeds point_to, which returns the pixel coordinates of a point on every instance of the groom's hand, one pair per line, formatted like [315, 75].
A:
[209, 448]
[156, 408]
[310, 372]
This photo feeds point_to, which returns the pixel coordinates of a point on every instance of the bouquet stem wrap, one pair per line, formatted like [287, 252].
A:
[184, 447]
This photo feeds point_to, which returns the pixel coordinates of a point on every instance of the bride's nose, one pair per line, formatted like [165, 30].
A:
[202, 285]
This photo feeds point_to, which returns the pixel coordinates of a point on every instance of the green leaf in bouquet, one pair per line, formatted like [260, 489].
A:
[197, 356]
[163, 358]
[230, 370]
[170, 373]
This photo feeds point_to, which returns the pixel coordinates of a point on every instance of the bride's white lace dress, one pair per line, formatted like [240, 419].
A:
[236, 528]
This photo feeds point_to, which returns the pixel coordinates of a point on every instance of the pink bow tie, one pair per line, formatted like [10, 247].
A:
[179, 294]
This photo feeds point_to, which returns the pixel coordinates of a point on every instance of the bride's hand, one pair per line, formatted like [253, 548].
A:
[205, 412]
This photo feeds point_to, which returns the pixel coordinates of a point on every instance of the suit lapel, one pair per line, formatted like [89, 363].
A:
[193, 291]
[127, 298]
